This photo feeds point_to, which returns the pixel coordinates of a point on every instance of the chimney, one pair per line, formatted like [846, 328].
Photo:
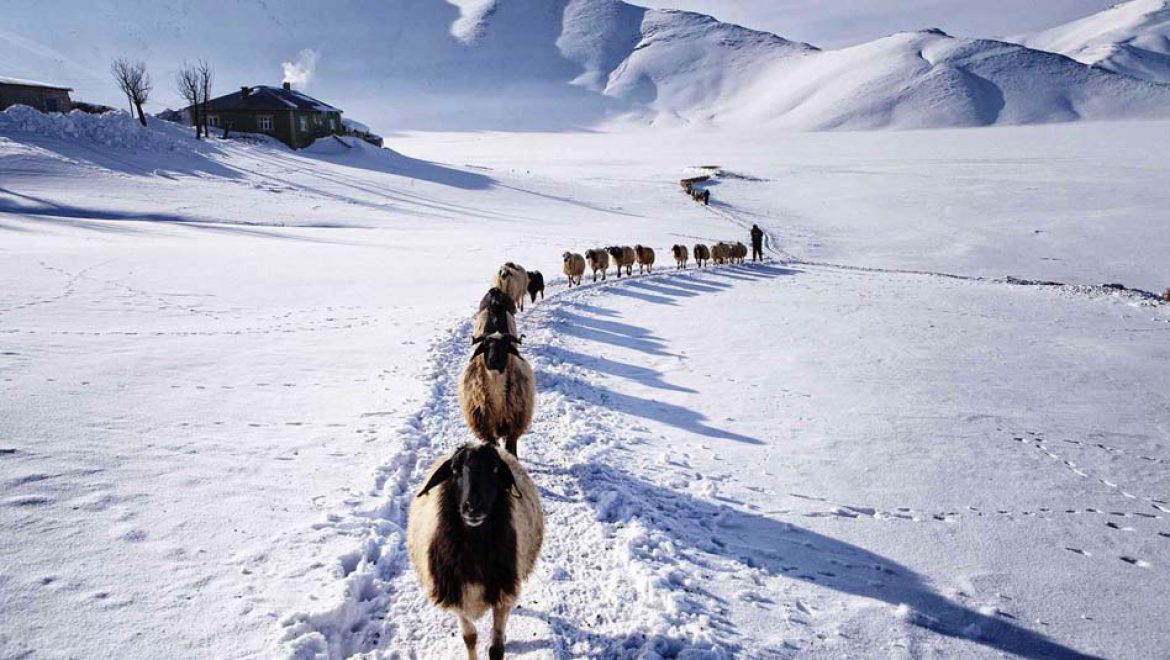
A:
[245, 91]
[287, 85]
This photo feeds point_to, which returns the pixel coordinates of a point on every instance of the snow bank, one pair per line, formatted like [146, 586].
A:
[1131, 38]
[112, 129]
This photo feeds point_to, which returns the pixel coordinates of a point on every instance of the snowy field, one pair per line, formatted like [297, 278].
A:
[224, 369]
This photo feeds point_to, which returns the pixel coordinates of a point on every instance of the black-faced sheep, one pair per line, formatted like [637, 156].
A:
[497, 390]
[598, 262]
[473, 535]
[645, 256]
[702, 254]
[624, 257]
[574, 267]
[680, 256]
[513, 280]
[496, 315]
[535, 285]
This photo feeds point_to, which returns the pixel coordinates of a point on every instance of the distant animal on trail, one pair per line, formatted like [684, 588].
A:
[623, 256]
[645, 258]
[702, 254]
[497, 390]
[720, 252]
[701, 196]
[598, 262]
[496, 314]
[574, 267]
[513, 280]
[1166, 296]
[680, 256]
[535, 284]
[738, 253]
[473, 535]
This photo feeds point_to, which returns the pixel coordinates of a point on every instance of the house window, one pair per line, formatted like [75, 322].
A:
[51, 105]
[264, 122]
[317, 119]
[213, 121]
[304, 123]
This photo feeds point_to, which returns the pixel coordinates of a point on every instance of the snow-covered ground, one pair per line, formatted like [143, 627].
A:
[223, 370]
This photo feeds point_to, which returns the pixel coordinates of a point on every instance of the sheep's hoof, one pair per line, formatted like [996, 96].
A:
[496, 652]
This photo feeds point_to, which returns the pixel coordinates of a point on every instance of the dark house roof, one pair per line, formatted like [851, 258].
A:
[263, 98]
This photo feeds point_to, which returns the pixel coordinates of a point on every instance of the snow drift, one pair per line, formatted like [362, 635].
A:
[1131, 38]
[112, 129]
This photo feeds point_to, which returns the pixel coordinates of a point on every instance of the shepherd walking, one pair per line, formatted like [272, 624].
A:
[757, 243]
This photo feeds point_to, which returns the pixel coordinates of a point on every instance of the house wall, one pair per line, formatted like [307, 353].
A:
[286, 125]
[41, 98]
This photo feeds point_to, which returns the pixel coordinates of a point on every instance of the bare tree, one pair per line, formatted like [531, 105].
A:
[191, 89]
[135, 83]
[206, 76]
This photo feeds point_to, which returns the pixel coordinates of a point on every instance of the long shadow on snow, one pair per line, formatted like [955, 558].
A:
[659, 411]
[698, 528]
[195, 161]
[388, 161]
[102, 220]
[643, 375]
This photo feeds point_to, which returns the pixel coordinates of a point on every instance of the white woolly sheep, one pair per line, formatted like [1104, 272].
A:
[496, 315]
[645, 256]
[513, 280]
[497, 390]
[623, 257]
[473, 535]
[598, 262]
[574, 267]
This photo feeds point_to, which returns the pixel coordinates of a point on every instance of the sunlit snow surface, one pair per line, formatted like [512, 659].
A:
[223, 370]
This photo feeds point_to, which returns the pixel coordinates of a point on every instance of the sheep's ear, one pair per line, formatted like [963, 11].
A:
[440, 475]
[508, 481]
[477, 340]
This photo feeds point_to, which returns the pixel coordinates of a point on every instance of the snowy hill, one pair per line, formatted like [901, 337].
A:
[538, 65]
[1131, 38]
[675, 67]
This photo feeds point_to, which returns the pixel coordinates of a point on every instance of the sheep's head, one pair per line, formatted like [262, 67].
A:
[566, 256]
[480, 478]
[614, 251]
[505, 273]
[496, 300]
[495, 349]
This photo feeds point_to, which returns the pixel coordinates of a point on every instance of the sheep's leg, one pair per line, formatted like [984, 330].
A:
[470, 637]
[499, 622]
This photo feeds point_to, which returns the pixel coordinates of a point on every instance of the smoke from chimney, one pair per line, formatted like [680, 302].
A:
[300, 71]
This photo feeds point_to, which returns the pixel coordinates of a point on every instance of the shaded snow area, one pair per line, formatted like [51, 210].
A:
[224, 369]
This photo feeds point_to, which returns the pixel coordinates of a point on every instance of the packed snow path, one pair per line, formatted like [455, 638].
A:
[675, 446]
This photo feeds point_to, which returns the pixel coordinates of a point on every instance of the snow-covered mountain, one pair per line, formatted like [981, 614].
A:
[537, 65]
[1131, 38]
[676, 67]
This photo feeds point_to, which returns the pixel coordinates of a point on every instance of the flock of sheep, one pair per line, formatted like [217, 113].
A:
[476, 528]
[624, 257]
